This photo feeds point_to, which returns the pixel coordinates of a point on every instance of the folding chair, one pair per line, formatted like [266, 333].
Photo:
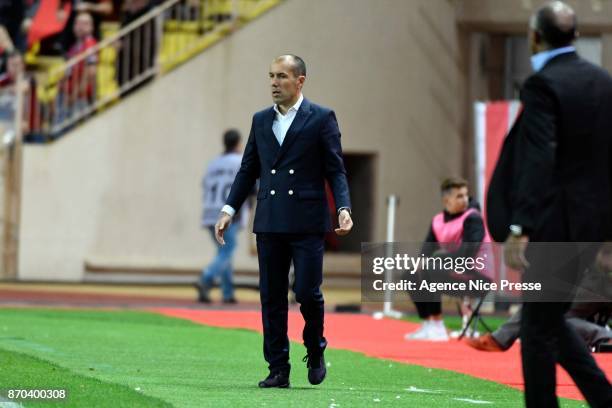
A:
[474, 318]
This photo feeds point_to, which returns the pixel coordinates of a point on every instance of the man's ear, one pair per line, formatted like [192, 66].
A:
[537, 37]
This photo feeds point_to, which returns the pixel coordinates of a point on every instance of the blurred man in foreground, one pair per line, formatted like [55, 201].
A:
[552, 184]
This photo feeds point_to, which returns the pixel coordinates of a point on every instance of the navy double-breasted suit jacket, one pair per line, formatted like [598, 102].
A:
[292, 176]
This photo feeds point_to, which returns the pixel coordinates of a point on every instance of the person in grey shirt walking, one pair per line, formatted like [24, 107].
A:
[216, 184]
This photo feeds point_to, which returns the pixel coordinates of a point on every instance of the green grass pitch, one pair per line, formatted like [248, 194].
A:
[139, 359]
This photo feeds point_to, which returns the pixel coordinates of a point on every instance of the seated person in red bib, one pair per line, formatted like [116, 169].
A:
[456, 232]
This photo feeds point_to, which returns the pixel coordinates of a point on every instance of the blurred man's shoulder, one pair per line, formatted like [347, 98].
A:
[573, 69]
[600, 73]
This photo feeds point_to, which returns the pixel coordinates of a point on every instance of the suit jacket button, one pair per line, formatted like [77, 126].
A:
[291, 171]
[290, 192]
[273, 171]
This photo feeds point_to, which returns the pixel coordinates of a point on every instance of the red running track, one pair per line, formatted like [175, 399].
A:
[385, 339]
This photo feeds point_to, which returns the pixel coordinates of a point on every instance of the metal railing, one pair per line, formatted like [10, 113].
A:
[153, 44]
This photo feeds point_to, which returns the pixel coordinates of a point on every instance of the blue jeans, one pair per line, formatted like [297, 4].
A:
[221, 266]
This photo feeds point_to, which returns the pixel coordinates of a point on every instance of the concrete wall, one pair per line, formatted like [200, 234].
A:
[123, 189]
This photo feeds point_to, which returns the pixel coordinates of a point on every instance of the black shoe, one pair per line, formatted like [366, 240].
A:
[202, 293]
[316, 367]
[230, 301]
[276, 379]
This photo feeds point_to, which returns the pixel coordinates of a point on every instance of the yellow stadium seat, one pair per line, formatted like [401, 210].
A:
[108, 29]
[31, 54]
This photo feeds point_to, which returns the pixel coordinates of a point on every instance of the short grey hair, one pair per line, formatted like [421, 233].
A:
[299, 66]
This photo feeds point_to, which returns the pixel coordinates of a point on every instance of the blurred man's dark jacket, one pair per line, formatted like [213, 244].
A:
[554, 175]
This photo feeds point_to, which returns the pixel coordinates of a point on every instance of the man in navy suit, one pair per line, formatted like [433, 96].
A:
[293, 147]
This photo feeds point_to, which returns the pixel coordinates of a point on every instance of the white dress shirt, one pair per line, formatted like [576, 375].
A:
[280, 126]
[282, 123]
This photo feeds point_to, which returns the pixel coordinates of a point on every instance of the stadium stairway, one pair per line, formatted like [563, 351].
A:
[187, 29]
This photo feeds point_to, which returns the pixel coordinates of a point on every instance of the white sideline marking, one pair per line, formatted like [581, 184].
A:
[421, 390]
[5, 403]
[471, 401]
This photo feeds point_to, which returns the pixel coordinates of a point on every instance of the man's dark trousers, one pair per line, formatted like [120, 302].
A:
[276, 251]
[546, 337]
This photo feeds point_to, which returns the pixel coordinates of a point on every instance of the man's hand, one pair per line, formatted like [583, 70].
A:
[514, 252]
[345, 223]
[222, 224]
